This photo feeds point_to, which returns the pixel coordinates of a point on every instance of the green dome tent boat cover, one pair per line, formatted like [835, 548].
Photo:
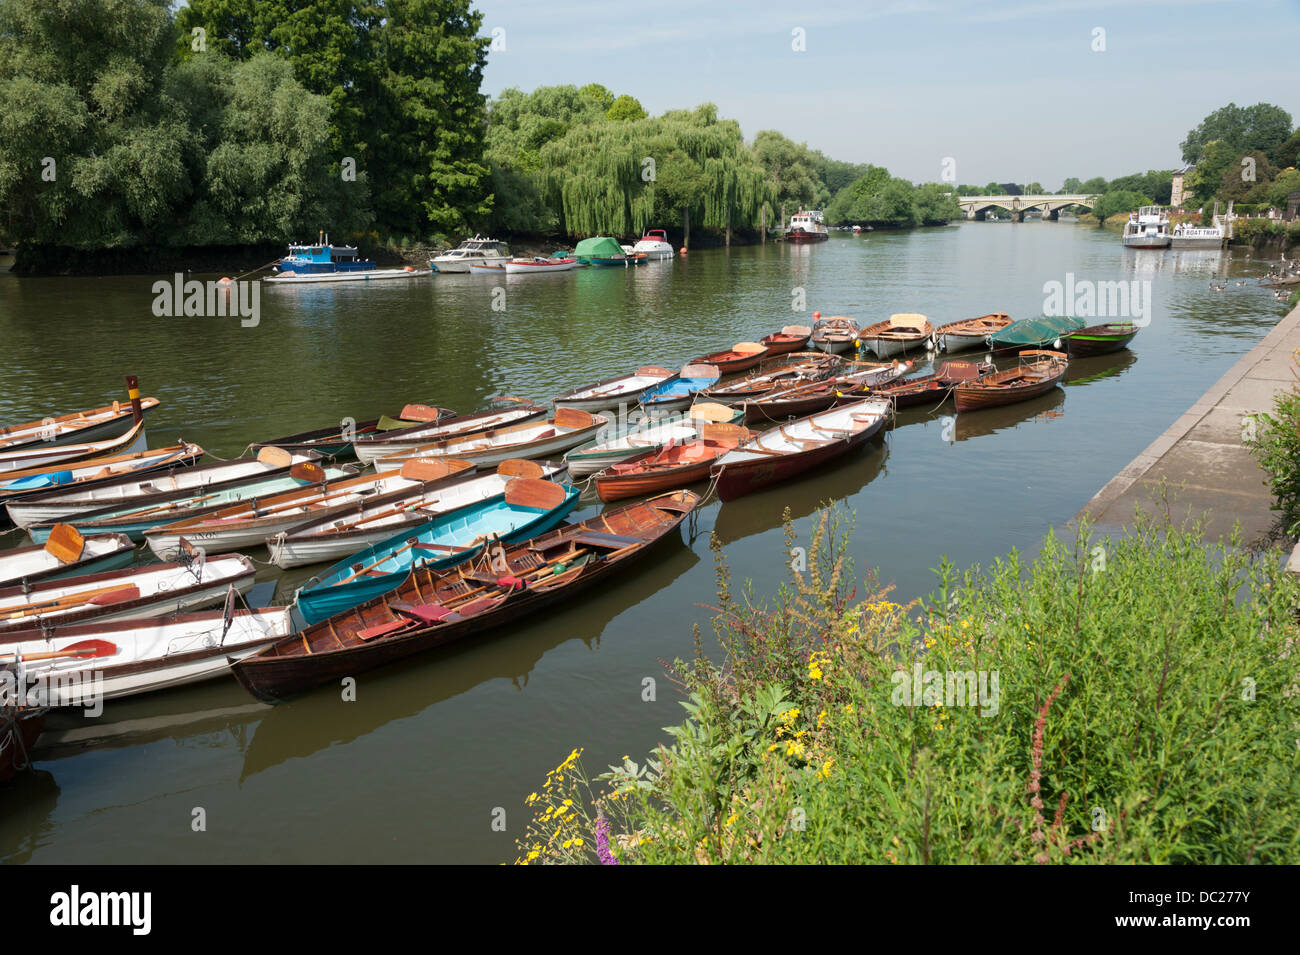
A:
[598, 247]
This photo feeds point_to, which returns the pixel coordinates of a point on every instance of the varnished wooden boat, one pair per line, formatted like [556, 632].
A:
[776, 374]
[611, 392]
[971, 332]
[437, 607]
[20, 728]
[65, 554]
[33, 459]
[817, 395]
[933, 388]
[566, 428]
[649, 435]
[78, 427]
[791, 449]
[674, 465]
[834, 335]
[901, 333]
[788, 339]
[740, 357]
[1100, 339]
[506, 411]
[335, 441]
[1038, 373]
[92, 472]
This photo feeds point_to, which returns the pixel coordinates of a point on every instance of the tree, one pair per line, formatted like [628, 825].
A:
[598, 94]
[1071, 187]
[789, 169]
[1119, 201]
[1287, 153]
[1094, 186]
[1251, 171]
[626, 109]
[936, 204]
[1262, 126]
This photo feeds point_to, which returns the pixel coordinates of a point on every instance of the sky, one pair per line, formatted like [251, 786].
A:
[1009, 90]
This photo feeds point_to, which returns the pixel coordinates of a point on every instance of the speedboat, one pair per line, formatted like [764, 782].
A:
[479, 250]
[654, 244]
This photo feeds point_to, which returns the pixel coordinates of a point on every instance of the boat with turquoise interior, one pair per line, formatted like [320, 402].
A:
[528, 507]
[322, 261]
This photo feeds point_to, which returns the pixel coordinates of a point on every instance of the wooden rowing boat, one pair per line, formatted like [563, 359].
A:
[527, 508]
[612, 392]
[740, 357]
[788, 339]
[93, 472]
[433, 608]
[335, 441]
[1100, 339]
[506, 411]
[791, 449]
[539, 264]
[1047, 332]
[79, 427]
[834, 335]
[249, 523]
[152, 590]
[1037, 373]
[857, 382]
[776, 374]
[648, 435]
[66, 554]
[898, 335]
[971, 332]
[140, 656]
[678, 392]
[130, 490]
[566, 428]
[376, 519]
[30, 460]
[673, 465]
[935, 387]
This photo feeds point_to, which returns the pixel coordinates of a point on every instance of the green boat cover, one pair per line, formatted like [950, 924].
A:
[1034, 331]
[598, 247]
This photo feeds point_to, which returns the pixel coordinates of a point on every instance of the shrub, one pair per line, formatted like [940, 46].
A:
[1274, 439]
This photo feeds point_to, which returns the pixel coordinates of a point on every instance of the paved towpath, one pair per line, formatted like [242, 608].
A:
[1202, 459]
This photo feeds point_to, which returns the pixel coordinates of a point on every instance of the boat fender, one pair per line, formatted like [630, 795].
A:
[512, 582]
[1056, 344]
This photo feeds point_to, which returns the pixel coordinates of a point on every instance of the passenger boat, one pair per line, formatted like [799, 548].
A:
[322, 261]
[610, 393]
[790, 338]
[653, 245]
[318, 540]
[648, 435]
[814, 396]
[971, 332]
[834, 335]
[336, 441]
[902, 333]
[678, 392]
[539, 264]
[791, 449]
[81, 664]
[933, 388]
[1148, 228]
[1038, 373]
[33, 458]
[1100, 339]
[80, 427]
[566, 428]
[673, 465]
[93, 472]
[20, 728]
[131, 490]
[776, 374]
[133, 593]
[527, 508]
[503, 411]
[477, 249]
[1049, 332]
[740, 357]
[807, 227]
[66, 553]
[435, 607]
[249, 523]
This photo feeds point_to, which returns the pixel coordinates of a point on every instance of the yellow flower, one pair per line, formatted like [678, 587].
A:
[577, 842]
[825, 771]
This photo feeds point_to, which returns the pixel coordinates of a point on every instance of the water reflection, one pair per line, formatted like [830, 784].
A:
[1085, 370]
[987, 421]
[27, 804]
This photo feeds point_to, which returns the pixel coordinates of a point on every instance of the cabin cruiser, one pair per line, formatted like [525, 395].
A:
[1148, 228]
[807, 227]
[478, 250]
[654, 244]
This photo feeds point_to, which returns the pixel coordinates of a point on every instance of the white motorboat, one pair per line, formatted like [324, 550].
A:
[654, 244]
[478, 249]
[1148, 228]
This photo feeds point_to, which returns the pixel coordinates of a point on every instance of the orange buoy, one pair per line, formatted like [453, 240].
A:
[683, 251]
[817, 314]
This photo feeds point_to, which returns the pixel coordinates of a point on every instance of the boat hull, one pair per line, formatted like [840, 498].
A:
[737, 480]
[621, 487]
[1085, 346]
[807, 236]
[887, 348]
[372, 275]
[1147, 241]
[19, 731]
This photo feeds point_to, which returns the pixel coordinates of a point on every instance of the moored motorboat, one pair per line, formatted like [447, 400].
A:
[477, 249]
[673, 465]
[932, 388]
[528, 507]
[66, 553]
[807, 226]
[612, 392]
[834, 335]
[740, 357]
[1046, 332]
[971, 332]
[1037, 373]
[678, 392]
[786, 450]
[603, 250]
[502, 412]
[653, 245]
[322, 261]
[898, 335]
[790, 338]
[433, 607]
[540, 438]
[1148, 228]
[1100, 339]
[333, 537]
[648, 435]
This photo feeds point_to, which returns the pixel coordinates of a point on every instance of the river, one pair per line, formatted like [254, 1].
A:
[413, 770]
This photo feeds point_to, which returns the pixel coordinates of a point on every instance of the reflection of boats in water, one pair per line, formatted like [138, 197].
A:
[762, 510]
[316, 721]
[27, 803]
[1111, 365]
[976, 424]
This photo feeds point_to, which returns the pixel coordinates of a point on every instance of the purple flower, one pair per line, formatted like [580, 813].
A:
[602, 842]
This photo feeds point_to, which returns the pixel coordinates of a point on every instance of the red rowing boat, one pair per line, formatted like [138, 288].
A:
[673, 465]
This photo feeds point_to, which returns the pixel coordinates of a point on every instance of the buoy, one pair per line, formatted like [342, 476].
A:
[409, 269]
[683, 250]
[226, 281]
[817, 314]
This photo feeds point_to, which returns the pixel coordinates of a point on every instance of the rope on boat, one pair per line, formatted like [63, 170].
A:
[258, 269]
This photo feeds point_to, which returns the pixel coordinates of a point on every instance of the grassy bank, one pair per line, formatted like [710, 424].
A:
[1114, 701]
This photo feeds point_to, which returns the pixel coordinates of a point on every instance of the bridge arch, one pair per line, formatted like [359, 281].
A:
[971, 205]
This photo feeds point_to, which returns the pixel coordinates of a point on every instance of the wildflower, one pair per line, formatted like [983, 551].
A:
[602, 842]
[825, 771]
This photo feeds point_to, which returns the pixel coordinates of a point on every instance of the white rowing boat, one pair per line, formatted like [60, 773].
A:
[371, 447]
[83, 555]
[567, 428]
[612, 392]
[648, 435]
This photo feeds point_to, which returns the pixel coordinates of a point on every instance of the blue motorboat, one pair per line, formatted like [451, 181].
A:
[322, 258]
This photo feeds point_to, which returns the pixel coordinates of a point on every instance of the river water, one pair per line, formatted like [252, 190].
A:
[414, 769]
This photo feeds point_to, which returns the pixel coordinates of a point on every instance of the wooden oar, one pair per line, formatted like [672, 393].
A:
[119, 593]
[83, 648]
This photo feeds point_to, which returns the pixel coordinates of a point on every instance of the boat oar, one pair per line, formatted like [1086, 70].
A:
[101, 596]
[83, 648]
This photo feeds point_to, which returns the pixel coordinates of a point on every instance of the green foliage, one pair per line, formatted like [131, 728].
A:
[876, 198]
[1263, 126]
[1274, 439]
[791, 172]
[1142, 713]
[1287, 154]
[626, 109]
[1119, 201]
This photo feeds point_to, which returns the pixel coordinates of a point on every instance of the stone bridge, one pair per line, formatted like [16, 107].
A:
[976, 206]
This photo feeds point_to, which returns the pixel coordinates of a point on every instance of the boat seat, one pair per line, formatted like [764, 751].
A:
[379, 630]
[475, 607]
[601, 539]
[425, 613]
